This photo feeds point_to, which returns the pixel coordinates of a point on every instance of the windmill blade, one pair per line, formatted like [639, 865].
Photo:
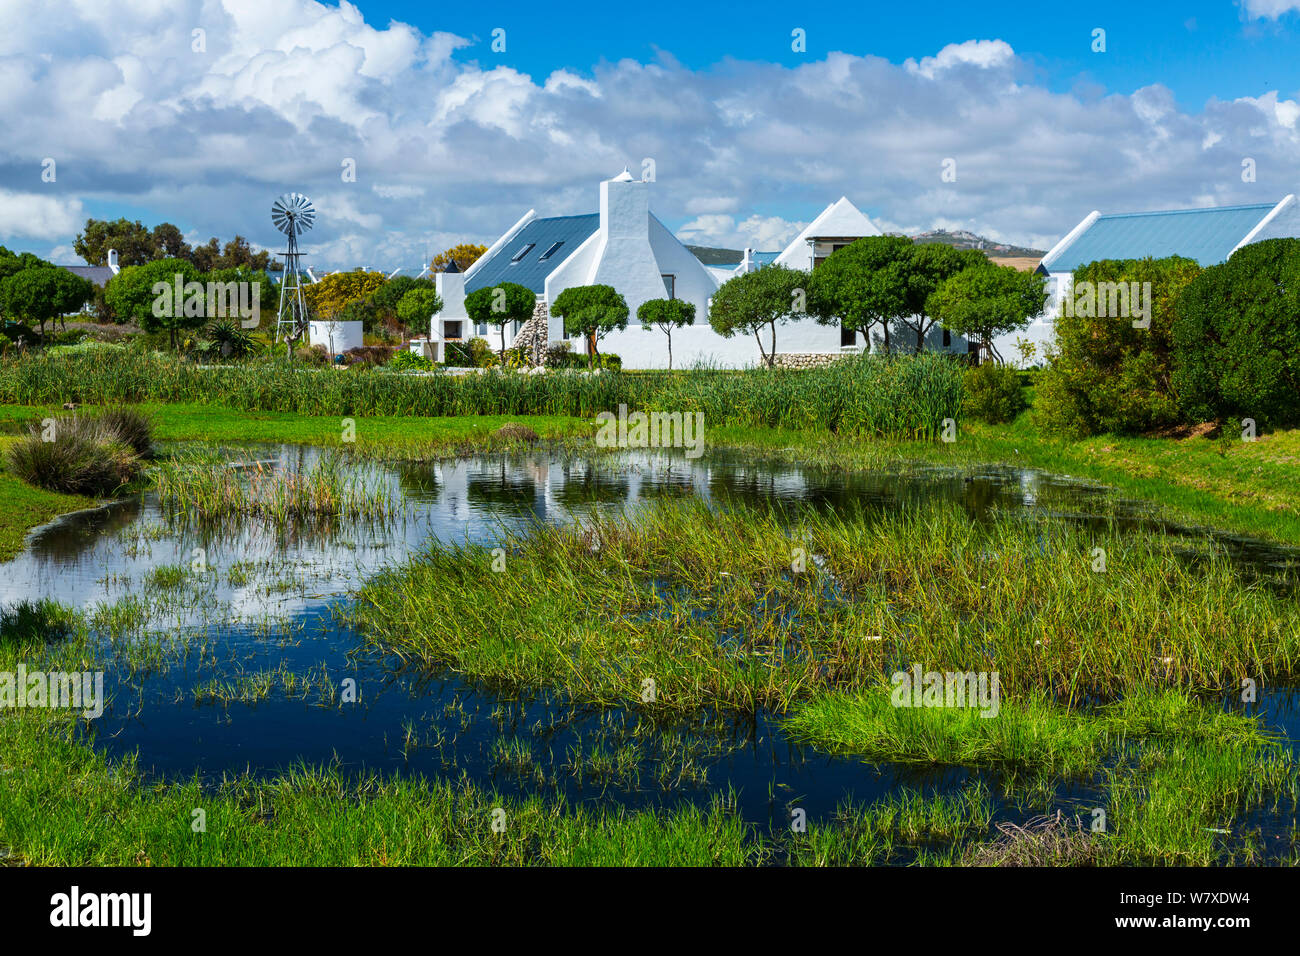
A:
[293, 214]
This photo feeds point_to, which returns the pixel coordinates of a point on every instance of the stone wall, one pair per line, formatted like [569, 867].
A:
[806, 360]
[532, 335]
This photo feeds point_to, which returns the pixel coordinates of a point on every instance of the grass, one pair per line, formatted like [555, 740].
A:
[859, 395]
[705, 604]
[199, 487]
[23, 507]
[82, 453]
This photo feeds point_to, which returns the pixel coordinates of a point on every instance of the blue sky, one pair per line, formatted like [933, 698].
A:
[453, 141]
[1198, 49]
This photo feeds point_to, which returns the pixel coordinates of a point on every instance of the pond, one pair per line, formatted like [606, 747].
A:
[244, 659]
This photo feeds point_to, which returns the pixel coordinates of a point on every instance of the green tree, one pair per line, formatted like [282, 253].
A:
[1103, 374]
[592, 311]
[666, 314]
[500, 305]
[418, 306]
[931, 265]
[388, 295]
[147, 296]
[134, 243]
[1237, 337]
[863, 285]
[43, 293]
[758, 301]
[988, 300]
[267, 292]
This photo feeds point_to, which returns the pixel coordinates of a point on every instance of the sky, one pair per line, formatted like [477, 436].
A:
[415, 126]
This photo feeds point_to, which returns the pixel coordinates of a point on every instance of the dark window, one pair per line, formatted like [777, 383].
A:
[670, 286]
[551, 251]
[522, 252]
[848, 336]
[947, 338]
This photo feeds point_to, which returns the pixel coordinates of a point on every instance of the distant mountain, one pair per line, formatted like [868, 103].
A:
[962, 239]
[711, 256]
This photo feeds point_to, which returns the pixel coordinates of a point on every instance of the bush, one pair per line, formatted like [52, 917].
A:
[316, 356]
[407, 361]
[129, 425]
[368, 356]
[476, 353]
[993, 393]
[86, 456]
[1106, 376]
[1237, 337]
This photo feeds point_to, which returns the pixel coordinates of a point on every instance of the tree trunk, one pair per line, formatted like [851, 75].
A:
[670, 349]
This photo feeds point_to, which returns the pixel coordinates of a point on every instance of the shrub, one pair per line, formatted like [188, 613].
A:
[313, 355]
[406, 361]
[368, 356]
[84, 458]
[1237, 337]
[1104, 375]
[130, 426]
[993, 393]
[476, 353]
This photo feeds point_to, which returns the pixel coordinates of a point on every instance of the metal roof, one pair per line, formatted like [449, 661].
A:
[531, 269]
[99, 275]
[1207, 235]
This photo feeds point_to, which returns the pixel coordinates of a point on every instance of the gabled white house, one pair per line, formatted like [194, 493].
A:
[1208, 234]
[624, 245]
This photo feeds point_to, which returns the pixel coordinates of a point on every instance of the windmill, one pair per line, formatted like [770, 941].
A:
[293, 214]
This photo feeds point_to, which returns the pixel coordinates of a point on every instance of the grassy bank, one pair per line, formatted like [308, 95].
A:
[23, 507]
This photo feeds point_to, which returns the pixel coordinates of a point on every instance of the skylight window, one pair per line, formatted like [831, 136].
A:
[551, 251]
[522, 252]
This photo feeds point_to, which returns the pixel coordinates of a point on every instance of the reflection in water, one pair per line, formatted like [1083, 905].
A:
[436, 724]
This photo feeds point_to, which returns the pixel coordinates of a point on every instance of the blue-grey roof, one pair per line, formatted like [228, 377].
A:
[1207, 235]
[532, 270]
[99, 275]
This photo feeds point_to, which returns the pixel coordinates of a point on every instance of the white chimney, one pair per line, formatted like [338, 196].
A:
[625, 259]
[112, 261]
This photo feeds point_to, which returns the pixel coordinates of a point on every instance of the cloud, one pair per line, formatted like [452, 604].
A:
[1268, 9]
[33, 216]
[453, 144]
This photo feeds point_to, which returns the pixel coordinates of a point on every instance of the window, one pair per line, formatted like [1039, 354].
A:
[451, 331]
[670, 285]
[522, 252]
[551, 251]
[947, 338]
[848, 336]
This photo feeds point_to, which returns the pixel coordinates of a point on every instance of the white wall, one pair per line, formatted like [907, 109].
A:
[337, 337]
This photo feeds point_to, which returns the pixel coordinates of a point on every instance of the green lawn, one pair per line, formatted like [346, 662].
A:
[25, 507]
[218, 424]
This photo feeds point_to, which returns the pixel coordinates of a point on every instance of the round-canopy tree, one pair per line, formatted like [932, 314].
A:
[592, 311]
[760, 300]
[39, 294]
[988, 300]
[418, 305]
[167, 295]
[500, 305]
[666, 314]
[1237, 337]
[863, 285]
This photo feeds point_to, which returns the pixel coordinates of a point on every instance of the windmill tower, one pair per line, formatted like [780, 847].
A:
[293, 214]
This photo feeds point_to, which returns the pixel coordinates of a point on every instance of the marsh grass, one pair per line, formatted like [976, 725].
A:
[707, 605]
[198, 486]
[82, 454]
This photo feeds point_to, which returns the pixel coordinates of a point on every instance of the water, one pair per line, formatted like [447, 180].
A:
[267, 607]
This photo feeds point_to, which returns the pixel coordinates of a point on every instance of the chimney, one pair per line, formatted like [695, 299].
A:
[112, 261]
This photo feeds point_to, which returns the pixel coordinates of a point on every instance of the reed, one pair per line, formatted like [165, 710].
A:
[900, 396]
[196, 486]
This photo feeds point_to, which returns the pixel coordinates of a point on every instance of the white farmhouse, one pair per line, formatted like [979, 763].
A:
[1208, 234]
[625, 246]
